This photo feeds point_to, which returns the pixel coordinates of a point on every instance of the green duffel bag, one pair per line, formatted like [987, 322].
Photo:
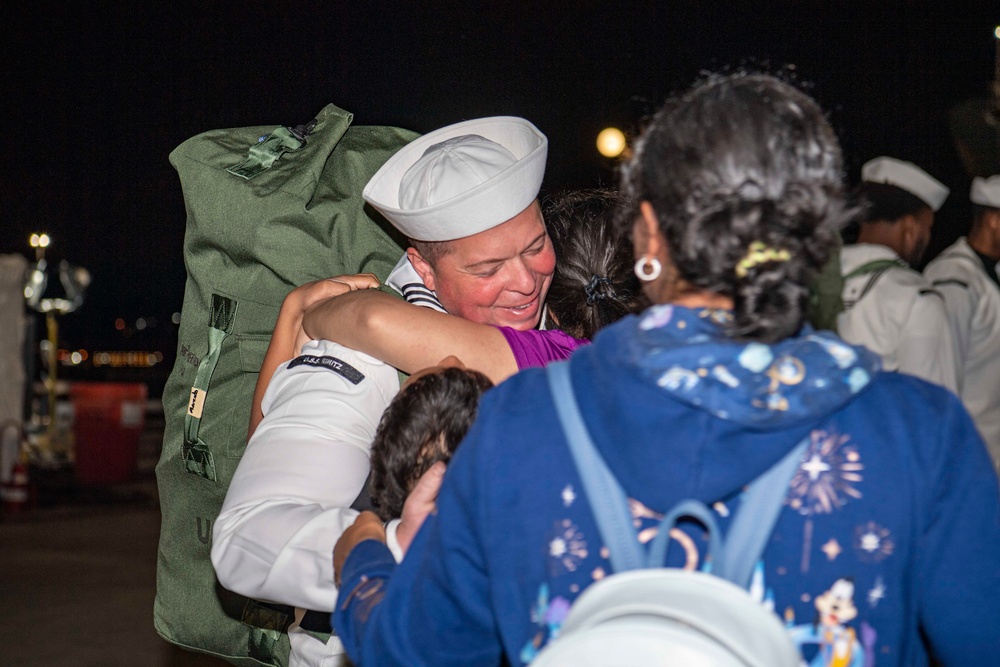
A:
[268, 208]
[825, 294]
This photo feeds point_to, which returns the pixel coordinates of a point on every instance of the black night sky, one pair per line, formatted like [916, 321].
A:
[98, 93]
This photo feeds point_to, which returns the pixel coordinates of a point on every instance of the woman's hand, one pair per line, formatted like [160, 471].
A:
[421, 502]
[308, 295]
[366, 527]
[288, 336]
[304, 296]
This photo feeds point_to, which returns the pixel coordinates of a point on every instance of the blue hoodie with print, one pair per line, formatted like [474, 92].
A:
[890, 530]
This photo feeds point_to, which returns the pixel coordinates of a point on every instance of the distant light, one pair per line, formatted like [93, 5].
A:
[120, 324]
[176, 318]
[39, 240]
[127, 359]
[996, 32]
[611, 142]
[140, 323]
[75, 358]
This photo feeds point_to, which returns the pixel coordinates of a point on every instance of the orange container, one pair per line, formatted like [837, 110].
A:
[108, 420]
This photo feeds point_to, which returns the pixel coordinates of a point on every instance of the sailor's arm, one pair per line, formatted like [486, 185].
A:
[288, 336]
[960, 306]
[409, 337]
[289, 499]
[926, 348]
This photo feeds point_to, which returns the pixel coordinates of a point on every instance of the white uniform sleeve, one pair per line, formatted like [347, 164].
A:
[952, 279]
[960, 306]
[289, 499]
[925, 347]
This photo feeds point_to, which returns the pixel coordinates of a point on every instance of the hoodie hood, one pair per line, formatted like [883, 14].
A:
[670, 384]
[761, 386]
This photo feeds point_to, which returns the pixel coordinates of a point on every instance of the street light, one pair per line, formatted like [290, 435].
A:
[611, 142]
[75, 280]
[39, 240]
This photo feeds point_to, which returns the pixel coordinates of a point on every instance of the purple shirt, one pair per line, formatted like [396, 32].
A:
[537, 348]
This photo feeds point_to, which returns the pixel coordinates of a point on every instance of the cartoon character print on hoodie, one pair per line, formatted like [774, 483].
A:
[757, 385]
[888, 537]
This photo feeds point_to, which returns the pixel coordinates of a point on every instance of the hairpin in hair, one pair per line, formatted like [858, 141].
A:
[758, 254]
[594, 293]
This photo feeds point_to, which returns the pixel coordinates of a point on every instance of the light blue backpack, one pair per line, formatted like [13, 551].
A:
[647, 614]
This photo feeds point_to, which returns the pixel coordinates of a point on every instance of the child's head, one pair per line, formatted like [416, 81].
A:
[594, 284]
[422, 425]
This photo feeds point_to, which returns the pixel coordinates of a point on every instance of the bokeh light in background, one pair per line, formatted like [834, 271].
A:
[611, 142]
[39, 240]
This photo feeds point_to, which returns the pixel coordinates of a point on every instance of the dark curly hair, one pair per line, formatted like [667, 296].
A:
[741, 158]
[593, 284]
[423, 424]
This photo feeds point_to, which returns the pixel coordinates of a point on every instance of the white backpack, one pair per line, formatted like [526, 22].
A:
[647, 614]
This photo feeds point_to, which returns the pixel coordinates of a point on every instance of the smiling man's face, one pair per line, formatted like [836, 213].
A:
[499, 276]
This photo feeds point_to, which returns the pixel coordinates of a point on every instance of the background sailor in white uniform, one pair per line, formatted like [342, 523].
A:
[888, 307]
[966, 275]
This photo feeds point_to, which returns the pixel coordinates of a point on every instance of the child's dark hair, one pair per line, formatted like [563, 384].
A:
[738, 160]
[423, 424]
[593, 284]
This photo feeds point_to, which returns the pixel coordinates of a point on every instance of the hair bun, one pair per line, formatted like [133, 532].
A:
[739, 160]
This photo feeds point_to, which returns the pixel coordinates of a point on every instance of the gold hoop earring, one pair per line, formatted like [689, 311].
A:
[648, 269]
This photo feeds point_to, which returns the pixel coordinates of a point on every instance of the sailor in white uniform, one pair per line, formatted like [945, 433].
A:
[474, 185]
[888, 307]
[966, 275]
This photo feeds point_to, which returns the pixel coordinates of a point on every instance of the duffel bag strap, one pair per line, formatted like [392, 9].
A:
[278, 617]
[197, 456]
[269, 148]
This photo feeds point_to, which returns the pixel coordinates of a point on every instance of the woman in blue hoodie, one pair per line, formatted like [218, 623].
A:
[889, 539]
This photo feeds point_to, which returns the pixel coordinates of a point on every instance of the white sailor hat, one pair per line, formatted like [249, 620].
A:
[907, 176]
[462, 179]
[986, 191]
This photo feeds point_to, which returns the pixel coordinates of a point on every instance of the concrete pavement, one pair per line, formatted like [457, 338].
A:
[78, 575]
[77, 588]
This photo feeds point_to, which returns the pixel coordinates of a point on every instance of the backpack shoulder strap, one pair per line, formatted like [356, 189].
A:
[876, 265]
[748, 535]
[876, 269]
[754, 522]
[607, 498]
